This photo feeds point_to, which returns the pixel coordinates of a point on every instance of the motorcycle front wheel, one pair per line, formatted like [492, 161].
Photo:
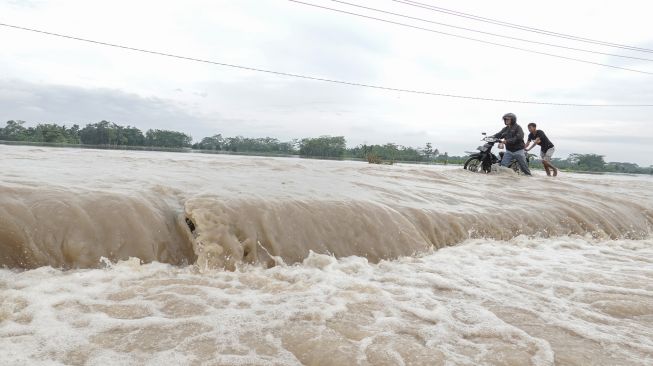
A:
[473, 165]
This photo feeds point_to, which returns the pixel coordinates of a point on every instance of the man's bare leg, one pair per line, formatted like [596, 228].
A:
[548, 167]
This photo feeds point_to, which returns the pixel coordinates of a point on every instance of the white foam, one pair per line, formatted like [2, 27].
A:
[526, 301]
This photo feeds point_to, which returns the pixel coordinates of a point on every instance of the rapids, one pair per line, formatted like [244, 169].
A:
[119, 258]
[67, 208]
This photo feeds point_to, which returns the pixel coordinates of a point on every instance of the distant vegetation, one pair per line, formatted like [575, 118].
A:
[102, 133]
[110, 135]
[596, 163]
[323, 146]
[246, 144]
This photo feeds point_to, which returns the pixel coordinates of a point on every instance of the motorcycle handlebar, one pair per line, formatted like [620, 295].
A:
[490, 139]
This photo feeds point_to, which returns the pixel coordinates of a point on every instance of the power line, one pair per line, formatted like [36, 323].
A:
[313, 77]
[471, 39]
[490, 33]
[520, 27]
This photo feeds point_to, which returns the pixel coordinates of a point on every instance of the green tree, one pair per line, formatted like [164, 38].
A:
[323, 146]
[264, 144]
[109, 133]
[444, 158]
[130, 136]
[101, 133]
[72, 134]
[214, 142]
[47, 132]
[428, 151]
[388, 152]
[590, 162]
[167, 138]
[14, 131]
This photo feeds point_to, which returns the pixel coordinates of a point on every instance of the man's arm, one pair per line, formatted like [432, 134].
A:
[499, 134]
[518, 136]
[528, 141]
[535, 142]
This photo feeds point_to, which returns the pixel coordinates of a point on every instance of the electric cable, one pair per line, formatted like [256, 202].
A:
[472, 39]
[490, 33]
[520, 27]
[313, 77]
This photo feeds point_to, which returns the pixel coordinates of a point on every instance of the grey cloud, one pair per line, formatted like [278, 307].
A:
[38, 103]
[281, 94]
[26, 3]
[336, 50]
[614, 139]
[613, 86]
[340, 31]
[275, 107]
[606, 90]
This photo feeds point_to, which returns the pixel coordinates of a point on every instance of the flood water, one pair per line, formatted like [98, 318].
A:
[132, 258]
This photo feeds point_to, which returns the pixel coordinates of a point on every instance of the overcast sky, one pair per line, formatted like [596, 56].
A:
[50, 79]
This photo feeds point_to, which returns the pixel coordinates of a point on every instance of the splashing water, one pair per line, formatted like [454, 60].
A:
[115, 257]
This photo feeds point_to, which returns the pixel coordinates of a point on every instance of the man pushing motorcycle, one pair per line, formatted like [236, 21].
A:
[512, 136]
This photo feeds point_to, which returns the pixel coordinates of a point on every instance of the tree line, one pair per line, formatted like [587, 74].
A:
[103, 133]
[596, 163]
[109, 134]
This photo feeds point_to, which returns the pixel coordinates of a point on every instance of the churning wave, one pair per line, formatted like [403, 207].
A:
[59, 227]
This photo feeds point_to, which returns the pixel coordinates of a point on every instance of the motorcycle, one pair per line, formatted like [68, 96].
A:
[483, 160]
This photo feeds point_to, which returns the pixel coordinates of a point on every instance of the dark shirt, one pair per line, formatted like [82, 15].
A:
[514, 136]
[545, 143]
